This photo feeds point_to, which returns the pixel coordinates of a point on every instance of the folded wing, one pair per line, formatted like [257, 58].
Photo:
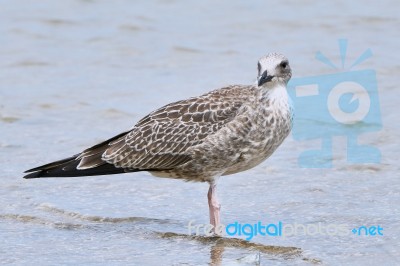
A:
[157, 142]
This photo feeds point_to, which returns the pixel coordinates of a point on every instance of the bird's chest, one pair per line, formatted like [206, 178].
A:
[271, 126]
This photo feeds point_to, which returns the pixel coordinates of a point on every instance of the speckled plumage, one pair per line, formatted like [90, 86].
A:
[222, 132]
[243, 130]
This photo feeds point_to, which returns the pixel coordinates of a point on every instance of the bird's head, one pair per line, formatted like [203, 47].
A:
[273, 68]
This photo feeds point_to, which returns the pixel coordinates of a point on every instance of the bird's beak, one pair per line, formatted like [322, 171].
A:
[264, 78]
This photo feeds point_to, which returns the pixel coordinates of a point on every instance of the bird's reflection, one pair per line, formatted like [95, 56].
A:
[216, 253]
[218, 246]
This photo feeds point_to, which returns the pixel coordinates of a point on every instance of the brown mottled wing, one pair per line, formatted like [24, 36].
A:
[160, 140]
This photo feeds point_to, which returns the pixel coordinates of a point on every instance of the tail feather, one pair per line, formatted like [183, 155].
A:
[68, 168]
[87, 163]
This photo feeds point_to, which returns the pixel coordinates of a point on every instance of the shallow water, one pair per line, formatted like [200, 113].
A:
[73, 73]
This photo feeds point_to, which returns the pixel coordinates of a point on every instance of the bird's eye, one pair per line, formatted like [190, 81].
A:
[284, 64]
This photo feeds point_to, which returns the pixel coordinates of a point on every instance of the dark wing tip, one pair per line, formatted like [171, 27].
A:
[68, 167]
[32, 175]
[38, 170]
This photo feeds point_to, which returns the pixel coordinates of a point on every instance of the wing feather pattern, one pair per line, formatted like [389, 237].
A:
[161, 139]
[157, 142]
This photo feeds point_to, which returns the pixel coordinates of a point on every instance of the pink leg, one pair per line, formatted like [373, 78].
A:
[214, 206]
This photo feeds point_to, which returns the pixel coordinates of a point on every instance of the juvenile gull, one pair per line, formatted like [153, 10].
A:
[222, 132]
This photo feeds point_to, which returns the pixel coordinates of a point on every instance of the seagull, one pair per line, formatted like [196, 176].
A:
[223, 132]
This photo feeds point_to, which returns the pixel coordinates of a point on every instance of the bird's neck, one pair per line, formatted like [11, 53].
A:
[275, 94]
[277, 99]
